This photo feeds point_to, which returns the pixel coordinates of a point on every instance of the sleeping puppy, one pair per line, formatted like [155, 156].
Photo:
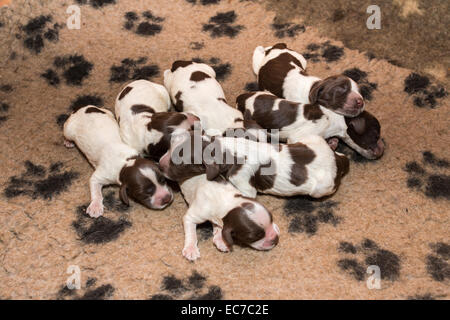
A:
[307, 168]
[295, 120]
[235, 219]
[193, 88]
[96, 133]
[283, 72]
[143, 129]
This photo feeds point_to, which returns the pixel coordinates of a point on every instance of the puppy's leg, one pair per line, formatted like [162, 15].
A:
[95, 209]
[190, 250]
[242, 182]
[218, 240]
[333, 143]
[68, 143]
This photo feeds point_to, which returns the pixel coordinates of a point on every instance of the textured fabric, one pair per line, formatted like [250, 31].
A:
[393, 212]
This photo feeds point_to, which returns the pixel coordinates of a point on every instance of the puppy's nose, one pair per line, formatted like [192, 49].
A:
[359, 102]
[166, 199]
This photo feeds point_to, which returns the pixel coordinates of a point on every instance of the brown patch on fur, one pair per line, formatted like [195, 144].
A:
[268, 118]
[312, 112]
[178, 102]
[331, 92]
[139, 108]
[342, 168]
[198, 76]
[241, 100]
[125, 92]
[301, 155]
[94, 110]
[262, 182]
[277, 46]
[180, 64]
[364, 130]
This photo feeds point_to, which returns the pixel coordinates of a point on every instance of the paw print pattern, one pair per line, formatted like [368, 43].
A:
[133, 70]
[360, 77]
[37, 31]
[74, 68]
[191, 288]
[223, 70]
[97, 4]
[426, 296]
[4, 108]
[435, 184]
[203, 2]
[100, 293]
[78, 103]
[424, 96]
[251, 86]
[40, 182]
[102, 229]
[306, 215]
[149, 27]
[287, 29]
[372, 254]
[196, 45]
[222, 24]
[437, 262]
[324, 51]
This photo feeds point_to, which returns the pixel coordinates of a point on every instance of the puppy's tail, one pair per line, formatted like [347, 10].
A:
[258, 57]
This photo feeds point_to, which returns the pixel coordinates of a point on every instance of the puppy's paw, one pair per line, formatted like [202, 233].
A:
[68, 144]
[95, 209]
[333, 143]
[191, 253]
[220, 244]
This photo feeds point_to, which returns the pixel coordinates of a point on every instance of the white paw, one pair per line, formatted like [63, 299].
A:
[95, 209]
[68, 144]
[220, 245]
[191, 253]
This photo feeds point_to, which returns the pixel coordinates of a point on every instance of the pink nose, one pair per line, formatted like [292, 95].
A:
[359, 102]
[164, 200]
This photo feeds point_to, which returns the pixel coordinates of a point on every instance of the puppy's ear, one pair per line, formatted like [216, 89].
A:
[212, 171]
[227, 237]
[123, 194]
[358, 124]
[315, 91]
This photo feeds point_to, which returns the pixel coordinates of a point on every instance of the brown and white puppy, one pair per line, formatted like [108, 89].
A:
[307, 168]
[96, 133]
[143, 129]
[296, 120]
[193, 88]
[283, 72]
[235, 219]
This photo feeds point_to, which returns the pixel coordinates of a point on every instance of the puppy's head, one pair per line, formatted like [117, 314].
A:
[250, 224]
[142, 181]
[338, 93]
[364, 133]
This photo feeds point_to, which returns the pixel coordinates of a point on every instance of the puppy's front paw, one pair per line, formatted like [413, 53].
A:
[95, 209]
[333, 143]
[68, 144]
[220, 244]
[191, 253]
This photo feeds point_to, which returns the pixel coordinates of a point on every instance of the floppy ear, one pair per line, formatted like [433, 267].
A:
[227, 238]
[315, 92]
[358, 124]
[123, 194]
[212, 171]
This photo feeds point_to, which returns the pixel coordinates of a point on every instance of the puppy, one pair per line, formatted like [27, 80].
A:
[307, 168]
[283, 72]
[96, 133]
[235, 219]
[295, 120]
[193, 88]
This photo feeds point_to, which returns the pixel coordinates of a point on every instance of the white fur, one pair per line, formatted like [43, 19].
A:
[97, 136]
[321, 172]
[202, 98]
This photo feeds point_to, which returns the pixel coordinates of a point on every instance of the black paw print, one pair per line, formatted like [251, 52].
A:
[426, 296]
[75, 68]
[149, 27]
[434, 185]
[306, 215]
[97, 4]
[196, 45]
[36, 32]
[37, 181]
[102, 229]
[78, 103]
[251, 86]
[437, 266]
[4, 108]
[133, 70]
[100, 293]
[222, 25]
[287, 29]
[424, 95]
[326, 51]
[191, 288]
[204, 2]
[360, 77]
[387, 261]
[223, 70]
